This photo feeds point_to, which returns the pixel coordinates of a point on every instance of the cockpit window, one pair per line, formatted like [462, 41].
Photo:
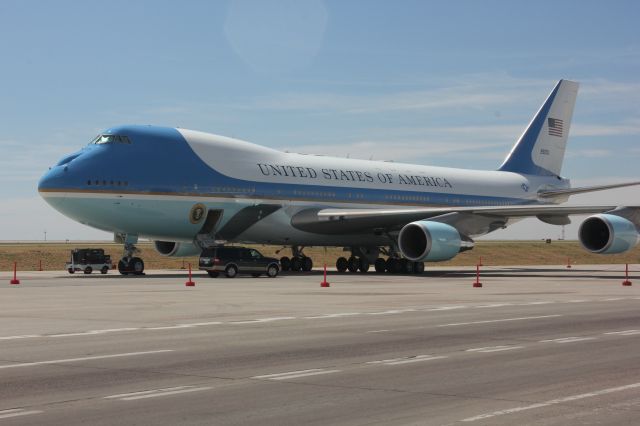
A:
[102, 139]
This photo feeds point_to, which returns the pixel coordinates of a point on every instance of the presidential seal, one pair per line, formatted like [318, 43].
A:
[197, 213]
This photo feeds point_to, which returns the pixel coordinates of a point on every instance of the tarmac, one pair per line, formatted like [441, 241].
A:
[533, 346]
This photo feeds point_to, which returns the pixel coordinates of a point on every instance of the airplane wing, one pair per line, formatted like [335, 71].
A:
[551, 193]
[468, 220]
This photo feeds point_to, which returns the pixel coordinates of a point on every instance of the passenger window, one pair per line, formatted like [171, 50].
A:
[254, 254]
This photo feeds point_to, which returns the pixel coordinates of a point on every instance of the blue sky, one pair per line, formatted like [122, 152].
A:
[444, 83]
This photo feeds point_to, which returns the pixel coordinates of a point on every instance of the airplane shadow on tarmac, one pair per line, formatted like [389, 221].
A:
[505, 273]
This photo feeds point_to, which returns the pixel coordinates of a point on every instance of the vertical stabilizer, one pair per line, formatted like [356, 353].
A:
[540, 149]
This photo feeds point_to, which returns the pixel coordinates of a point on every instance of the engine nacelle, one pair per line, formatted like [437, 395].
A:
[174, 249]
[426, 240]
[607, 234]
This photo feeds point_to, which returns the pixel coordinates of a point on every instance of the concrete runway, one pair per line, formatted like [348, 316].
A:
[535, 346]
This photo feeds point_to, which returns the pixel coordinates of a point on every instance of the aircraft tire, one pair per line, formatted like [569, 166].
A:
[363, 265]
[341, 264]
[418, 267]
[123, 267]
[296, 264]
[285, 263]
[380, 265]
[307, 264]
[136, 266]
[406, 267]
[353, 264]
[391, 265]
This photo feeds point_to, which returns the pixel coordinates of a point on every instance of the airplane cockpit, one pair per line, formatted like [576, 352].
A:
[110, 138]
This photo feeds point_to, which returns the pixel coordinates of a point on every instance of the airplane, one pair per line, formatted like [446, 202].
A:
[188, 191]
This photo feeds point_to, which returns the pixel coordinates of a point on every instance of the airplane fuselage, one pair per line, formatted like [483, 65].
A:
[148, 180]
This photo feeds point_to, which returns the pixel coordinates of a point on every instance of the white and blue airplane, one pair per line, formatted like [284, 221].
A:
[188, 190]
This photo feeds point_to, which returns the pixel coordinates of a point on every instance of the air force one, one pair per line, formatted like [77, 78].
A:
[189, 191]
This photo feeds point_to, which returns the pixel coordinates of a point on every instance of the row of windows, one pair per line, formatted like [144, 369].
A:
[314, 194]
[406, 197]
[234, 189]
[103, 182]
[392, 197]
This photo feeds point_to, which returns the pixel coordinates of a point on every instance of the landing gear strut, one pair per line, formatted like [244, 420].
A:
[130, 264]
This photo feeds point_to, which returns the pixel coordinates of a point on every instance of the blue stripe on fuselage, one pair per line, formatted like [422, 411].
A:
[159, 160]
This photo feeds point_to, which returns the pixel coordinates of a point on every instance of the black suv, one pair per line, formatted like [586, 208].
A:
[237, 260]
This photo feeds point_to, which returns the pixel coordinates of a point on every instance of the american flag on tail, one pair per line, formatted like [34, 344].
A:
[555, 126]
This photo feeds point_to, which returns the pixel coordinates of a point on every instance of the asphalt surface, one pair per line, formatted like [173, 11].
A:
[534, 346]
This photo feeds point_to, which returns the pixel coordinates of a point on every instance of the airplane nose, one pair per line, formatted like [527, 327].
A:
[52, 179]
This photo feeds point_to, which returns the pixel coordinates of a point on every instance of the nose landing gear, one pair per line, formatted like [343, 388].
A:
[130, 264]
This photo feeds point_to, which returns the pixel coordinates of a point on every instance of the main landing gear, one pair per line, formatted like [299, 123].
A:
[298, 262]
[392, 265]
[130, 264]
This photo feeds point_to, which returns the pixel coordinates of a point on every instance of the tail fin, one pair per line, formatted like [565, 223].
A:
[540, 149]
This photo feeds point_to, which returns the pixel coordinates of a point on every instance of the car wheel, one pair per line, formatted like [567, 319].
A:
[104, 270]
[88, 270]
[231, 271]
[272, 271]
[71, 271]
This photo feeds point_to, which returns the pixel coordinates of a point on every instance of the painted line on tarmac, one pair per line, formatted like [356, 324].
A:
[490, 349]
[24, 336]
[325, 316]
[455, 324]
[93, 332]
[551, 402]
[88, 358]
[391, 312]
[624, 332]
[378, 331]
[295, 374]
[262, 320]
[407, 360]
[570, 339]
[486, 305]
[16, 412]
[157, 393]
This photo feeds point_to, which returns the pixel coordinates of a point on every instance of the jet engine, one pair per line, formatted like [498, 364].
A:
[426, 240]
[607, 234]
[176, 249]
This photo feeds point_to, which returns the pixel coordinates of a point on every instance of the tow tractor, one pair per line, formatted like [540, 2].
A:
[88, 260]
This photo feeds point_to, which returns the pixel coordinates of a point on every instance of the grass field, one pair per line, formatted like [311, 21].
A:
[54, 255]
